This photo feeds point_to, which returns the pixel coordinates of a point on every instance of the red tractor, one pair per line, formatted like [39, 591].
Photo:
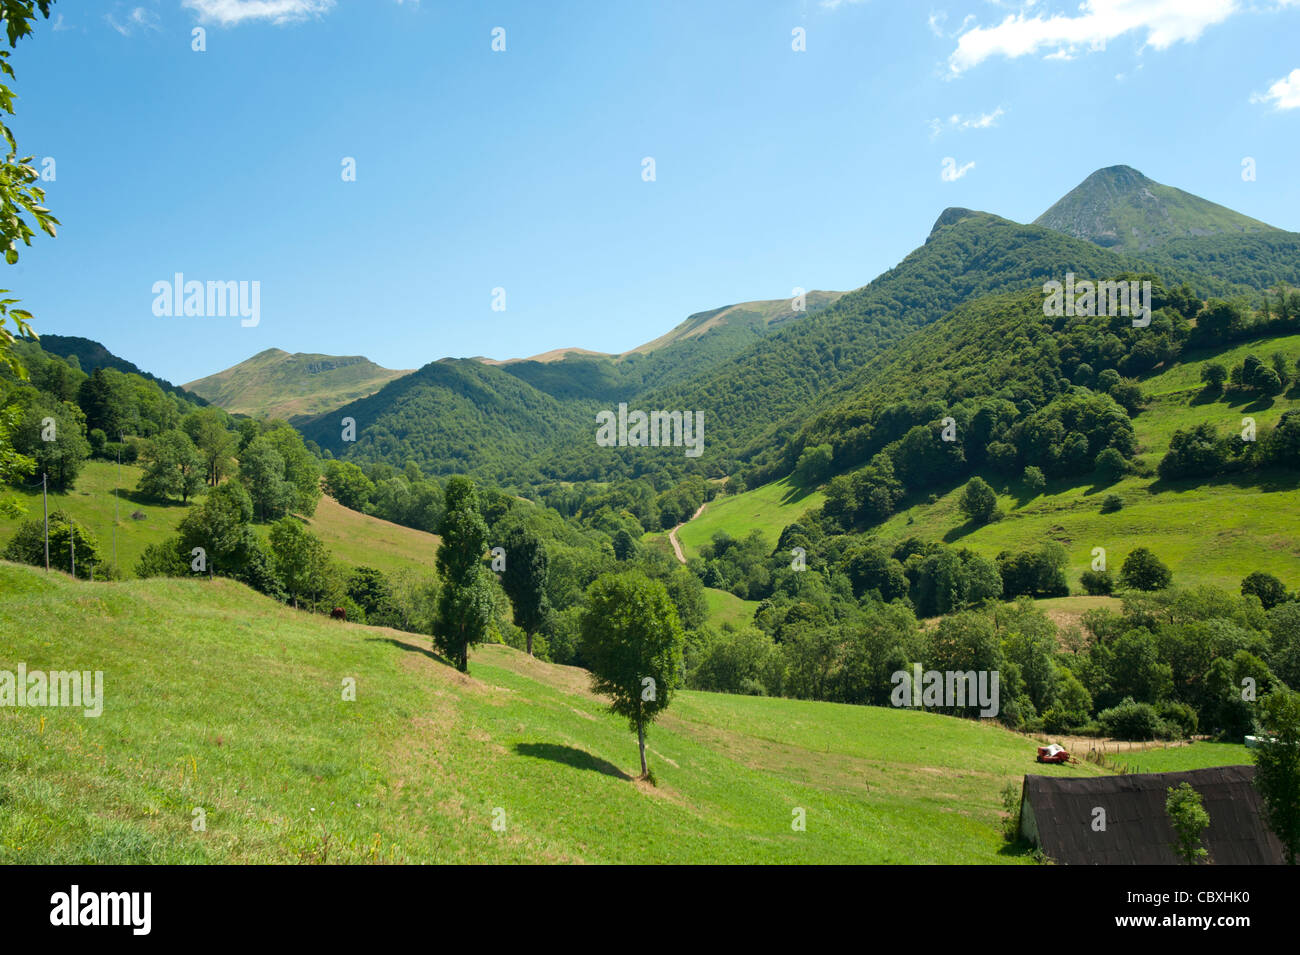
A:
[1054, 754]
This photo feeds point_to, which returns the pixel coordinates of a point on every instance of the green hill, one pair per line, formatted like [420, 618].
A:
[757, 399]
[276, 384]
[691, 348]
[453, 416]
[252, 729]
[752, 316]
[1000, 353]
[90, 355]
[1119, 208]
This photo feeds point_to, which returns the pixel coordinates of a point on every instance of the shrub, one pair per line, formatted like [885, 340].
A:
[1011, 805]
[1178, 716]
[1034, 479]
[1130, 720]
[1110, 465]
[1111, 503]
[1097, 582]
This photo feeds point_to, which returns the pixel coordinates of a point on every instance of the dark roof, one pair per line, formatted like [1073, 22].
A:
[1137, 828]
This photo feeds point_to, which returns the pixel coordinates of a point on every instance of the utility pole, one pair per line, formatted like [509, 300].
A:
[45, 505]
[116, 484]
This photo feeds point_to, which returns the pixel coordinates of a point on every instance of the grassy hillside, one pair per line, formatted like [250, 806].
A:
[1253, 528]
[767, 509]
[1256, 521]
[724, 607]
[353, 538]
[276, 384]
[247, 722]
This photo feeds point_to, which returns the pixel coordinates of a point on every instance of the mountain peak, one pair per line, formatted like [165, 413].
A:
[955, 214]
[1120, 208]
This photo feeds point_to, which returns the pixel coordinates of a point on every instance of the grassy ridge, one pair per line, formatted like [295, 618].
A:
[276, 384]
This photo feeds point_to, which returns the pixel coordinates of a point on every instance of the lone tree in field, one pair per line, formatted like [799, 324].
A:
[978, 502]
[1189, 821]
[1214, 375]
[464, 612]
[1143, 570]
[1277, 768]
[524, 580]
[633, 641]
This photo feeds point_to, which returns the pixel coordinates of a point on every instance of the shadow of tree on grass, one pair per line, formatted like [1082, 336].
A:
[569, 756]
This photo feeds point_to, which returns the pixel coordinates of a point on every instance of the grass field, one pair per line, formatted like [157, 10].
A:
[1179, 758]
[353, 538]
[767, 509]
[219, 699]
[724, 607]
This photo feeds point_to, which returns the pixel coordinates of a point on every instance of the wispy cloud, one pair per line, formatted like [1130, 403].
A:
[1161, 23]
[234, 12]
[137, 19]
[1283, 93]
[959, 122]
[836, 4]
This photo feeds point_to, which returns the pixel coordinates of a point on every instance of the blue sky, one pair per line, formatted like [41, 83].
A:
[523, 169]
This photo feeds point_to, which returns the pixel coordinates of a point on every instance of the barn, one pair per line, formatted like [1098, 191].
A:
[1060, 816]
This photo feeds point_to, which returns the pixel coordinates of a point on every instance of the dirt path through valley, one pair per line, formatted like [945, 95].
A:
[672, 535]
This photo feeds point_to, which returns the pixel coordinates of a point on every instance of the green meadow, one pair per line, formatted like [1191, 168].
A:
[220, 700]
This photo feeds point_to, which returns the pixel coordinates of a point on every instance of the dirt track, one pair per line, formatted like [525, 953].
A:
[672, 535]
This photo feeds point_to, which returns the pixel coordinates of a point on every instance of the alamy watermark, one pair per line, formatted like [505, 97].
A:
[946, 689]
[70, 688]
[657, 429]
[1089, 298]
[195, 299]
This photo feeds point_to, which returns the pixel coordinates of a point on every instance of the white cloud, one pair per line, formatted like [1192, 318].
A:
[836, 4]
[234, 12]
[951, 172]
[1283, 94]
[1162, 23]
